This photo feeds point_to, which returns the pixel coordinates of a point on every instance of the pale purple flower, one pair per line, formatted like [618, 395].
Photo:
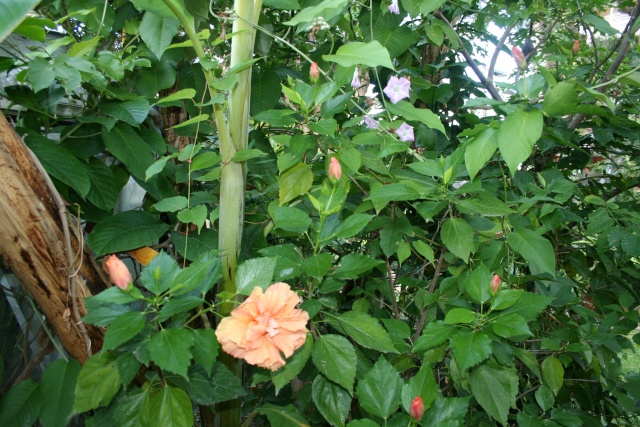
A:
[371, 123]
[393, 7]
[397, 89]
[355, 82]
[405, 132]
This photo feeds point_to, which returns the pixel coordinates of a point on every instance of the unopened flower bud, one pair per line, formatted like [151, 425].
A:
[335, 170]
[519, 57]
[576, 46]
[417, 408]
[118, 272]
[314, 72]
[495, 284]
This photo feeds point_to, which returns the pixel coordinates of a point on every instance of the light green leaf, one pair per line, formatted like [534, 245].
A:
[333, 402]
[306, 15]
[409, 112]
[125, 231]
[196, 215]
[553, 373]
[98, 382]
[132, 112]
[528, 305]
[283, 415]
[512, 326]
[447, 412]
[157, 32]
[434, 334]
[167, 406]
[534, 249]
[424, 250]
[291, 219]
[255, 272]
[57, 385]
[188, 93]
[181, 304]
[127, 146]
[171, 204]
[480, 150]
[457, 316]
[379, 392]
[353, 265]
[484, 205]
[158, 276]
[478, 283]
[123, 329]
[352, 225]
[544, 397]
[457, 235]
[517, 135]
[335, 357]
[372, 54]
[366, 331]
[12, 12]
[317, 265]
[200, 275]
[193, 120]
[40, 74]
[294, 182]
[470, 348]
[244, 155]
[170, 349]
[422, 384]
[495, 387]
[158, 7]
[560, 99]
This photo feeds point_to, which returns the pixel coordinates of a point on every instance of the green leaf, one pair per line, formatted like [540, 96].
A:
[285, 416]
[484, 205]
[447, 412]
[126, 145]
[123, 329]
[201, 275]
[512, 326]
[193, 120]
[534, 249]
[170, 349]
[422, 384]
[57, 385]
[194, 245]
[390, 33]
[517, 135]
[353, 265]
[12, 12]
[21, 405]
[478, 284]
[128, 367]
[379, 392]
[125, 231]
[424, 250]
[331, 400]
[324, 127]
[457, 316]
[560, 99]
[169, 100]
[495, 387]
[205, 348]
[306, 15]
[159, 274]
[294, 182]
[631, 244]
[317, 265]
[157, 7]
[244, 155]
[132, 112]
[157, 32]
[544, 397]
[352, 226]
[294, 365]
[279, 118]
[196, 215]
[529, 305]
[220, 386]
[366, 331]
[167, 406]
[61, 164]
[409, 112]
[480, 150]
[177, 305]
[157, 166]
[265, 91]
[434, 334]
[457, 235]
[553, 373]
[506, 298]
[149, 81]
[171, 204]
[470, 348]
[98, 382]
[40, 74]
[335, 358]
[255, 272]
[104, 191]
[291, 219]
[372, 54]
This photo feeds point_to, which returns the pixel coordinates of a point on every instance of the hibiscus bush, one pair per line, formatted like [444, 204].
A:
[358, 221]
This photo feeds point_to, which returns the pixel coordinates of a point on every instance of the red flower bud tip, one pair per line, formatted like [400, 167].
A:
[519, 57]
[576, 46]
[495, 284]
[314, 72]
[417, 408]
[118, 272]
[335, 170]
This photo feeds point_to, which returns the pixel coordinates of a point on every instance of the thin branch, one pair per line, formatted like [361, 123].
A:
[392, 286]
[494, 57]
[486, 83]
[432, 287]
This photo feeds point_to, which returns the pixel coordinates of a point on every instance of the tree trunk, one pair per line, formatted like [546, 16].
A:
[39, 242]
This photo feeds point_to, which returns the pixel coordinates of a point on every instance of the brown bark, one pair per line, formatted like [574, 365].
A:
[39, 242]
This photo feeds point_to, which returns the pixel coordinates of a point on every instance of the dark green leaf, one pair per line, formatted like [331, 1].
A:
[291, 219]
[293, 367]
[333, 402]
[21, 405]
[255, 272]
[132, 112]
[98, 382]
[157, 32]
[495, 387]
[177, 305]
[353, 265]
[335, 357]
[123, 329]
[534, 249]
[447, 412]
[317, 265]
[470, 348]
[285, 416]
[205, 348]
[512, 326]
[379, 392]
[478, 284]
[57, 386]
[457, 235]
[125, 144]
[460, 316]
[167, 406]
[553, 373]
[170, 349]
[366, 331]
[104, 191]
[125, 231]
[434, 334]
[220, 386]
[517, 135]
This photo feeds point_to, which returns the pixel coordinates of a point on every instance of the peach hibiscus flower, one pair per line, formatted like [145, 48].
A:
[265, 327]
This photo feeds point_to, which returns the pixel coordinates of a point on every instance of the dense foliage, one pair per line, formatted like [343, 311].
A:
[474, 244]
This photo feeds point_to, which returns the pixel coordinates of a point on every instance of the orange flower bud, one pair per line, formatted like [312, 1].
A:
[314, 72]
[495, 284]
[118, 272]
[335, 170]
[576, 46]
[417, 408]
[519, 57]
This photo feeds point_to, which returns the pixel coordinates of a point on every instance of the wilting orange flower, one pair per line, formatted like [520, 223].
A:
[264, 326]
[417, 408]
[118, 272]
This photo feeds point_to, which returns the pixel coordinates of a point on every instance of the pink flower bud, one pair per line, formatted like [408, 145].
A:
[314, 72]
[335, 170]
[576, 46]
[118, 272]
[495, 284]
[519, 57]
[417, 408]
